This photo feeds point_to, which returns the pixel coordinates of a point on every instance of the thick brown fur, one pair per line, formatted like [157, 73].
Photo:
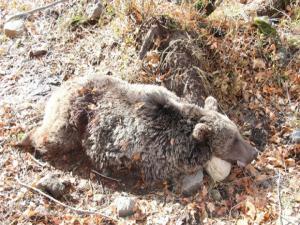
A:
[120, 125]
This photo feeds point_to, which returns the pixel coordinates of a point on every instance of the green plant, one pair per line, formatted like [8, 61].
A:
[78, 19]
[199, 5]
[264, 26]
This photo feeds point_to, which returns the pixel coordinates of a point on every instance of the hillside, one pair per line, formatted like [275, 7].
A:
[245, 53]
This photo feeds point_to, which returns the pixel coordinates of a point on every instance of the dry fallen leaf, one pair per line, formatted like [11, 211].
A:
[290, 162]
[254, 172]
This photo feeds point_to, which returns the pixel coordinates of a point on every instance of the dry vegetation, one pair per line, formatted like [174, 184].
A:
[253, 72]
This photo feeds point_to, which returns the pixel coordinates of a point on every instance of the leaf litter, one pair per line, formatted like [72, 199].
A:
[257, 87]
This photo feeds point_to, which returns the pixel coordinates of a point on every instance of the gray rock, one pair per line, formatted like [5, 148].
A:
[14, 28]
[94, 11]
[216, 195]
[54, 186]
[125, 206]
[192, 183]
[234, 10]
[295, 136]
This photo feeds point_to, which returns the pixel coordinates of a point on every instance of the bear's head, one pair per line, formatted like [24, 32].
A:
[223, 136]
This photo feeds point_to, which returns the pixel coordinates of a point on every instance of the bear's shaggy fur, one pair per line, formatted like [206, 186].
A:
[120, 125]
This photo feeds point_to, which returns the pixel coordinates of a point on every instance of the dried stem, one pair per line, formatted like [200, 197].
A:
[80, 211]
[24, 15]
[106, 177]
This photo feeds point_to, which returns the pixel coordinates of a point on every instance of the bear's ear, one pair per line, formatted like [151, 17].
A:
[211, 103]
[201, 131]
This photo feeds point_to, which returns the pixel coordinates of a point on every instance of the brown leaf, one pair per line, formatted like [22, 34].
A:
[290, 162]
[252, 170]
[261, 178]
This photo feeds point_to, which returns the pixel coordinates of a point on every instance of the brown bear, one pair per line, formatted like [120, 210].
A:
[120, 125]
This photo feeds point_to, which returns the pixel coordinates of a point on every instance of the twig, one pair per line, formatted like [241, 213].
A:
[80, 211]
[37, 161]
[24, 15]
[279, 198]
[233, 207]
[106, 177]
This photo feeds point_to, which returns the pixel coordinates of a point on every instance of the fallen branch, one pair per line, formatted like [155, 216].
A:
[25, 15]
[80, 211]
[106, 177]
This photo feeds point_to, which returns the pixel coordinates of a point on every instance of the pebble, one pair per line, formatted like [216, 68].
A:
[38, 50]
[216, 195]
[54, 186]
[94, 11]
[83, 185]
[125, 206]
[14, 28]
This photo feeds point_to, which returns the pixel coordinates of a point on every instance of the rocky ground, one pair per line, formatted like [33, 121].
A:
[248, 62]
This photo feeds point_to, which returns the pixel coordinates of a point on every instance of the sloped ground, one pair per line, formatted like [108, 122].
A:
[257, 87]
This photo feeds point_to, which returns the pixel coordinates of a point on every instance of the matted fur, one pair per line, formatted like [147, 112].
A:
[121, 125]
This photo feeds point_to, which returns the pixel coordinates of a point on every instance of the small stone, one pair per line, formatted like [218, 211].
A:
[38, 50]
[54, 186]
[94, 11]
[125, 206]
[215, 194]
[14, 28]
[295, 136]
[192, 183]
[83, 185]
